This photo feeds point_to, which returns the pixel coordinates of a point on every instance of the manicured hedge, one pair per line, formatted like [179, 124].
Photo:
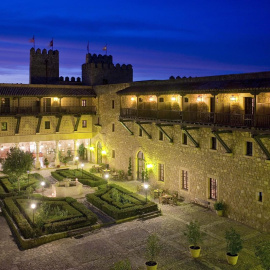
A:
[86, 179]
[118, 210]
[6, 185]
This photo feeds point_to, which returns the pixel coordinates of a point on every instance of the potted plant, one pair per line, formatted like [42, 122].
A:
[219, 207]
[234, 245]
[129, 173]
[46, 162]
[152, 250]
[193, 235]
[263, 253]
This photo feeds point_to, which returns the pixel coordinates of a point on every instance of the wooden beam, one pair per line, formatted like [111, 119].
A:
[77, 122]
[164, 132]
[261, 145]
[17, 130]
[126, 127]
[225, 146]
[38, 124]
[185, 129]
[143, 129]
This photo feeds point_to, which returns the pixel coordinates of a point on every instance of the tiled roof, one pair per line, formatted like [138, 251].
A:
[193, 86]
[43, 91]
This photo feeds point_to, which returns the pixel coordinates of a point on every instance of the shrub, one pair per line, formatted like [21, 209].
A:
[193, 233]
[219, 206]
[234, 242]
[153, 247]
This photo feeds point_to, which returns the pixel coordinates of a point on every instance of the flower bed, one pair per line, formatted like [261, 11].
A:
[84, 177]
[51, 216]
[120, 203]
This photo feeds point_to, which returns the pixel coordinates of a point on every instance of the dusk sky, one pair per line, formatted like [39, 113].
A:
[159, 38]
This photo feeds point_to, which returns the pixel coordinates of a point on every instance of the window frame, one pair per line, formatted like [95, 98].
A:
[213, 188]
[161, 172]
[47, 124]
[84, 123]
[184, 180]
[4, 126]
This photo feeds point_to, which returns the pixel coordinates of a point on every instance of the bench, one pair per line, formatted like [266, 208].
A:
[201, 202]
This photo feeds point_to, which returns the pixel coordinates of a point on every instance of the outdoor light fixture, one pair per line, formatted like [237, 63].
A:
[151, 98]
[104, 152]
[106, 175]
[133, 98]
[92, 148]
[146, 186]
[233, 98]
[149, 166]
[33, 206]
[173, 98]
[59, 144]
[2, 148]
[55, 99]
[199, 99]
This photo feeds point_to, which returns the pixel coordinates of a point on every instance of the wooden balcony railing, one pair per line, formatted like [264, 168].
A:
[195, 117]
[48, 110]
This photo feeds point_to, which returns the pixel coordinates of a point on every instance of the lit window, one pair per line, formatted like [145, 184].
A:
[213, 143]
[47, 124]
[161, 172]
[249, 151]
[83, 102]
[184, 139]
[160, 137]
[184, 180]
[84, 123]
[213, 188]
[4, 126]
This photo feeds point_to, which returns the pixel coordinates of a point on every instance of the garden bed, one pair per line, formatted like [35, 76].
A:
[52, 219]
[120, 203]
[83, 176]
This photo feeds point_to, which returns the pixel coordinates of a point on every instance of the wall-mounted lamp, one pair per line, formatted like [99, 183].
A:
[92, 148]
[149, 166]
[55, 99]
[104, 152]
[199, 99]
[173, 98]
[233, 98]
[133, 98]
[151, 98]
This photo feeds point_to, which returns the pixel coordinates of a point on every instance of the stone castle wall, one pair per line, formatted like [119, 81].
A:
[44, 67]
[240, 177]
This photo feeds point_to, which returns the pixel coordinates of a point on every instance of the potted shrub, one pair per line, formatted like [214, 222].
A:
[193, 235]
[129, 173]
[152, 250]
[263, 253]
[219, 207]
[234, 245]
[46, 162]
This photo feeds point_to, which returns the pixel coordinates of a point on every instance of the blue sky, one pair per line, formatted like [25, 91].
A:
[159, 38]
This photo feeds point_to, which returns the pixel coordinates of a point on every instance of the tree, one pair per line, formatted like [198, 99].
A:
[81, 151]
[17, 163]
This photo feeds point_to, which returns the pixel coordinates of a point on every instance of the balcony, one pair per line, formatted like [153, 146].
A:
[201, 118]
[47, 110]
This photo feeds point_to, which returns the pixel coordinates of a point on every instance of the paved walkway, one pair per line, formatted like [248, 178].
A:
[98, 250]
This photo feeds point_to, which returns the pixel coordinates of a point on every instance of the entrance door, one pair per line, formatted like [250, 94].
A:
[249, 111]
[99, 153]
[140, 165]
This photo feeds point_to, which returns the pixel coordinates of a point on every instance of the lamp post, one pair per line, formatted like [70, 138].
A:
[82, 165]
[42, 184]
[33, 206]
[146, 186]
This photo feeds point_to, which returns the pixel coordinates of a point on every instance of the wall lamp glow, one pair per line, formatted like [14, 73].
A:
[233, 98]
[173, 98]
[104, 152]
[151, 99]
[199, 99]
[92, 148]
[133, 98]
[149, 166]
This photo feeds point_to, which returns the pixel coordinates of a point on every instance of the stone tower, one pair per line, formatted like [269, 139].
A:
[100, 69]
[44, 67]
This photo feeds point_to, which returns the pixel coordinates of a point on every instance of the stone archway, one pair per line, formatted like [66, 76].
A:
[140, 165]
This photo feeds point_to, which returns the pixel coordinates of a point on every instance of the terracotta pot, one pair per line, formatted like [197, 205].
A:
[195, 251]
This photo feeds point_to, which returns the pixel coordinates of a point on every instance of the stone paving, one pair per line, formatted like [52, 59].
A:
[98, 250]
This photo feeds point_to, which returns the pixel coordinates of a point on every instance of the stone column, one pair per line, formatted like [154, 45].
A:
[37, 163]
[57, 161]
[75, 151]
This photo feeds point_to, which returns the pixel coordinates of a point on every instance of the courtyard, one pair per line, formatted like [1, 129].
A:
[101, 248]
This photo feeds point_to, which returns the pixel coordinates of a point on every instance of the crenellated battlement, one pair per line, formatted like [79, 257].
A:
[99, 69]
[70, 80]
[44, 66]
